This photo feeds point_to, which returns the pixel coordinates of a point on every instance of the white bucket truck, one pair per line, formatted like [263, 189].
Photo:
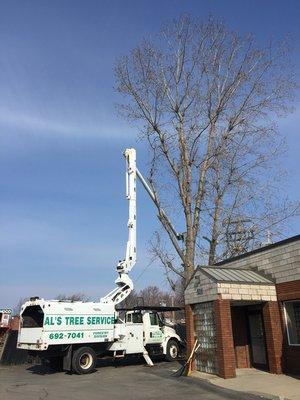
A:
[73, 334]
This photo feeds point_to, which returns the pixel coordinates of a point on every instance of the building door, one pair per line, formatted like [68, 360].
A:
[257, 340]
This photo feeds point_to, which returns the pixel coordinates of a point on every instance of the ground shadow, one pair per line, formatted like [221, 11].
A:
[44, 369]
[293, 376]
[120, 362]
[40, 369]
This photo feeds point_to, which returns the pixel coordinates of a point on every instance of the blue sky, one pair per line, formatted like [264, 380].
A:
[63, 212]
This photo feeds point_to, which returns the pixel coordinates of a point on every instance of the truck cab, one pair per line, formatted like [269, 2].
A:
[158, 336]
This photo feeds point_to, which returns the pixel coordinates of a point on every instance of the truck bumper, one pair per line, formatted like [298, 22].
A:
[32, 346]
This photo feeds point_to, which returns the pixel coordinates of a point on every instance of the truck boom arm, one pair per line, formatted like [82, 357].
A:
[143, 181]
[123, 282]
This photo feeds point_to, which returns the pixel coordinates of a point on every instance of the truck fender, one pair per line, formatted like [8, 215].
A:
[165, 343]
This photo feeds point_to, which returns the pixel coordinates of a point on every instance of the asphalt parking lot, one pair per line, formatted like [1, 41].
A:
[116, 381]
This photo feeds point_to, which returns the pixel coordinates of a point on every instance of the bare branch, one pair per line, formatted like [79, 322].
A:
[205, 99]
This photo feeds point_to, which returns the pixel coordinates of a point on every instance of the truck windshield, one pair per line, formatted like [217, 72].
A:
[32, 317]
[137, 318]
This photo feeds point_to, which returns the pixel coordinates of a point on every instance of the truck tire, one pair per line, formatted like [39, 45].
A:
[172, 350]
[84, 360]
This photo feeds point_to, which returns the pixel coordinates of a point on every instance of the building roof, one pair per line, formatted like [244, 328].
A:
[232, 275]
[259, 250]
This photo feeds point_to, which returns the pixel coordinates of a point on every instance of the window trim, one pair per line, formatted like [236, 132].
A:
[286, 321]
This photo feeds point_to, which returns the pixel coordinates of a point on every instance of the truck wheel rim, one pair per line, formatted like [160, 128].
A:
[173, 351]
[85, 361]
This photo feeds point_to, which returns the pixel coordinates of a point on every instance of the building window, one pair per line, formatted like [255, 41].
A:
[292, 318]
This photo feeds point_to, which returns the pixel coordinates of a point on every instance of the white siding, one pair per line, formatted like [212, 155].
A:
[200, 289]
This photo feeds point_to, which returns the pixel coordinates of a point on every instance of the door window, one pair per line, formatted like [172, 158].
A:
[128, 317]
[153, 319]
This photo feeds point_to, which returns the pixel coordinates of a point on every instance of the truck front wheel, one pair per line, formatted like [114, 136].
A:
[172, 350]
[84, 360]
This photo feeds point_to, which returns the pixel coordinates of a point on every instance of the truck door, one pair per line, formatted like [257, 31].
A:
[134, 333]
[153, 331]
[31, 331]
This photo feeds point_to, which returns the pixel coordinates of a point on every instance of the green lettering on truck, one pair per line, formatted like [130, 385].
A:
[100, 320]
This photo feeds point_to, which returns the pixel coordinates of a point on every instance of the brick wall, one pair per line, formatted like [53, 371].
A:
[288, 290]
[240, 337]
[291, 358]
[291, 354]
[225, 347]
[14, 323]
[190, 333]
[273, 332]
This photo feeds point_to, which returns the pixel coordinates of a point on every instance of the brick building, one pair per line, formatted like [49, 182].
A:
[246, 311]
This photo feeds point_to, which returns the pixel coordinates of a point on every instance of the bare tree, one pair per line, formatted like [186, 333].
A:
[131, 301]
[153, 296]
[73, 297]
[149, 296]
[17, 308]
[205, 100]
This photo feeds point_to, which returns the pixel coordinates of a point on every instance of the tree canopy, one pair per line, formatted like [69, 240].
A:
[206, 101]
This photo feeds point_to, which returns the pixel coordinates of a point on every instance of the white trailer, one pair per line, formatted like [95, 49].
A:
[74, 334]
